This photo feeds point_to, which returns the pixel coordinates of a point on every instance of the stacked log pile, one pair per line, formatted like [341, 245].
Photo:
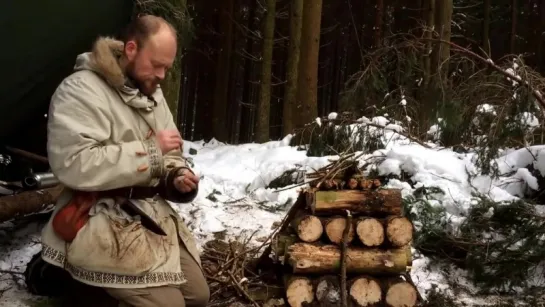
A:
[350, 236]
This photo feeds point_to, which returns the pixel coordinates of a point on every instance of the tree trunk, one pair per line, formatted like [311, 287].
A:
[374, 203]
[486, 28]
[307, 92]
[427, 100]
[27, 202]
[251, 76]
[171, 88]
[292, 72]
[514, 23]
[379, 21]
[400, 293]
[370, 231]
[264, 104]
[307, 258]
[443, 18]
[236, 79]
[299, 290]
[365, 291]
[541, 38]
[399, 230]
[219, 110]
[334, 228]
[308, 228]
[172, 83]
[328, 291]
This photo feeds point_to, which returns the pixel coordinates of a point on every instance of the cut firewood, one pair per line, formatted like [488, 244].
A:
[334, 228]
[308, 228]
[365, 291]
[370, 231]
[299, 204]
[331, 184]
[353, 183]
[328, 291]
[366, 184]
[28, 202]
[299, 290]
[369, 184]
[344, 254]
[399, 230]
[400, 293]
[308, 258]
[382, 202]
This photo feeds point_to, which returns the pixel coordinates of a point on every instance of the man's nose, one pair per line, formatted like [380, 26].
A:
[160, 74]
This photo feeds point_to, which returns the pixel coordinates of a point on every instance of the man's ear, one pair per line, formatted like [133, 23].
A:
[131, 48]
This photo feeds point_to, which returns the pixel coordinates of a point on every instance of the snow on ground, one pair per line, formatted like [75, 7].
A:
[234, 199]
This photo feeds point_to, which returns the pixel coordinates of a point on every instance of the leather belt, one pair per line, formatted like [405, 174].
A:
[131, 192]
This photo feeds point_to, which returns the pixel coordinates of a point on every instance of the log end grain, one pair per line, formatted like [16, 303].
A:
[370, 231]
[299, 290]
[365, 291]
[353, 183]
[399, 230]
[309, 228]
[401, 294]
[334, 229]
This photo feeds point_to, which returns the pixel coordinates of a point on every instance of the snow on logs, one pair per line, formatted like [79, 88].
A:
[378, 251]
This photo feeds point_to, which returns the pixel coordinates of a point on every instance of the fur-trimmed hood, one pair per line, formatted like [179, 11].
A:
[104, 60]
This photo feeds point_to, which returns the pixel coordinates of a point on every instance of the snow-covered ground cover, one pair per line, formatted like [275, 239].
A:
[234, 199]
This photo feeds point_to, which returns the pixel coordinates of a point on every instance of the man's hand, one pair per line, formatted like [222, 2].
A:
[169, 140]
[186, 181]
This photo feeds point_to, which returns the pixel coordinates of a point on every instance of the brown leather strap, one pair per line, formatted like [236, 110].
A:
[131, 192]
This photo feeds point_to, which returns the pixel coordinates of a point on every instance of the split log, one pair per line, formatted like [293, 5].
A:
[328, 291]
[382, 202]
[308, 228]
[28, 202]
[365, 291]
[334, 228]
[307, 258]
[299, 290]
[400, 293]
[399, 230]
[370, 231]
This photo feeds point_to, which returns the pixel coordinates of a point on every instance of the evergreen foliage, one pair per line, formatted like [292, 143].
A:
[501, 245]
[476, 107]
[336, 137]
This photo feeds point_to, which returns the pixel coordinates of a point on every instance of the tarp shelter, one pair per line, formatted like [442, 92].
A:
[40, 42]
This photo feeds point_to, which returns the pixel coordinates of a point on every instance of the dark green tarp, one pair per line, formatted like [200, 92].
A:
[40, 41]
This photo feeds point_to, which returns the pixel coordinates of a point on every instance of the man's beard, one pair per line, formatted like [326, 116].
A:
[146, 88]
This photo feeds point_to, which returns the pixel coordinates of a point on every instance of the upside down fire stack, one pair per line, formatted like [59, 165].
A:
[377, 250]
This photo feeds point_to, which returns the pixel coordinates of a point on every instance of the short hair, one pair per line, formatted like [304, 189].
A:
[144, 26]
